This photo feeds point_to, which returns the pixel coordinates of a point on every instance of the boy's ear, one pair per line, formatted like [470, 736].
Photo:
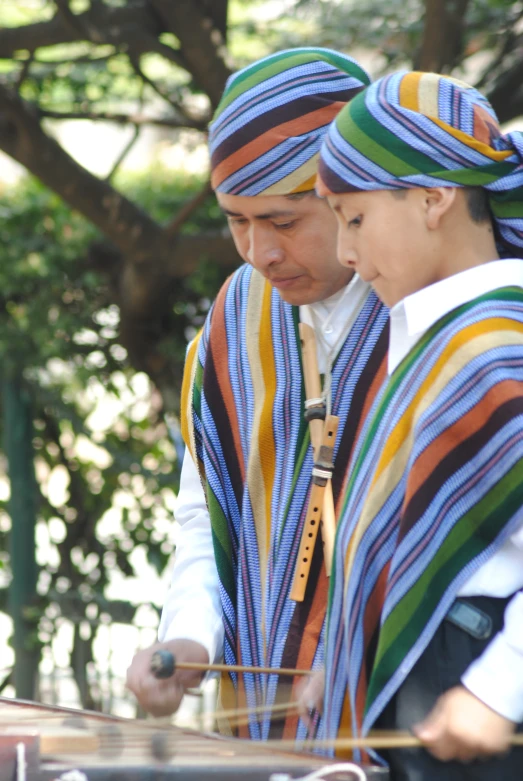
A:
[437, 201]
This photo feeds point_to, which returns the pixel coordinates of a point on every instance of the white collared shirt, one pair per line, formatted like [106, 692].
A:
[496, 677]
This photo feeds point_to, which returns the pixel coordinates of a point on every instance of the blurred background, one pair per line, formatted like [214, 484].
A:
[111, 251]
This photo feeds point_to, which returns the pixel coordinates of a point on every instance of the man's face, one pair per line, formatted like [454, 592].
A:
[290, 240]
[384, 238]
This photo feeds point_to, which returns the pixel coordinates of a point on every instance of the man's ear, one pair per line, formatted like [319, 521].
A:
[437, 201]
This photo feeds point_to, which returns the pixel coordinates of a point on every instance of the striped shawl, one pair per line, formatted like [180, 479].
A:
[243, 405]
[436, 488]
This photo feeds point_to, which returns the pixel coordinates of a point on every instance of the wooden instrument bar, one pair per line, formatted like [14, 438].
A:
[104, 748]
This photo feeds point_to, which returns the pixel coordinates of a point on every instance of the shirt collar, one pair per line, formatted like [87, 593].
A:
[415, 314]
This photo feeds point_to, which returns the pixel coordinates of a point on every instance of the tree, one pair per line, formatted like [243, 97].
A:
[61, 356]
[71, 62]
[74, 60]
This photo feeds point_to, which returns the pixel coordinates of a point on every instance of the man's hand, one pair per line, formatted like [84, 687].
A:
[462, 727]
[310, 694]
[163, 697]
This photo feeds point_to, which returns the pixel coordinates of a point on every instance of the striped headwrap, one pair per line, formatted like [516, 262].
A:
[266, 134]
[426, 130]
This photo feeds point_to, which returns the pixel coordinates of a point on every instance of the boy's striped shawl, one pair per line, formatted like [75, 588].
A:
[243, 404]
[435, 489]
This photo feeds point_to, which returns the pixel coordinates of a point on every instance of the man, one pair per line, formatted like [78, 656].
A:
[426, 614]
[242, 406]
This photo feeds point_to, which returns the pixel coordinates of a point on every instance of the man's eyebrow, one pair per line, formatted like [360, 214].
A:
[265, 216]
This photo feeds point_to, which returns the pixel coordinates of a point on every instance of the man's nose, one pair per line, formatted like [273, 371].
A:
[264, 248]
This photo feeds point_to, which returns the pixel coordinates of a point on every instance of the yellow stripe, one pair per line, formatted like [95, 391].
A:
[302, 179]
[259, 334]
[419, 92]
[189, 373]
[473, 143]
[409, 88]
[464, 347]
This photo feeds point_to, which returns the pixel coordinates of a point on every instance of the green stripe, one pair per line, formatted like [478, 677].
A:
[197, 388]
[303, 433]
[507, 204]
[472, 534]
[387, 150]
[480, 176]
[263, 70]
[222, 545]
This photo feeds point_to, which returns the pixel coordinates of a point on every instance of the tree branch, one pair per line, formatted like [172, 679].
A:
[187, 209]
[76, 24]
[123, 154]
[442, 39]
[135, 63]
[21, 137]
[201, 42]
[24, 70]
[122, 119]
[505, 92]
[118, 23]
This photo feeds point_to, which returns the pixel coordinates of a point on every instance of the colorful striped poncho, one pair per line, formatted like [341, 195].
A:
[243, 403]
[435, 489]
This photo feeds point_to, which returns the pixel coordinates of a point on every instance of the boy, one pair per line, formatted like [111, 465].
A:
[425, 619]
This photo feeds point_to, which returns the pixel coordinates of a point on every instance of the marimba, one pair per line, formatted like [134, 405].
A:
[41, 743]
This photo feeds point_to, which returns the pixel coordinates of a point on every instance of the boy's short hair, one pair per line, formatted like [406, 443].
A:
[478, 204]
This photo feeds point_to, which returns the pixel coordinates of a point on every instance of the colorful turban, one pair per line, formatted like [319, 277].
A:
[425, 130]
[266, 134]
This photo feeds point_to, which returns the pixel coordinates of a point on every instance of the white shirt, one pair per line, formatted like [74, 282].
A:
[496, 677]
[192, 608]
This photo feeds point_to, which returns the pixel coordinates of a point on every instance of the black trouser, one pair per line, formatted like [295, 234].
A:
[440, 667]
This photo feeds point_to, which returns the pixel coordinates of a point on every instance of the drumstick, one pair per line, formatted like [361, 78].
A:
[374, 740]
[311, 378]
[237, 712]
[164, 664]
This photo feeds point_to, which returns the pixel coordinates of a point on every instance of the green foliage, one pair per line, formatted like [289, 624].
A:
[106, 466]
[388, 31]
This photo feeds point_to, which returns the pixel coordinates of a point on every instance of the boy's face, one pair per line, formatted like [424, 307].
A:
[384, 238]
[290, 240]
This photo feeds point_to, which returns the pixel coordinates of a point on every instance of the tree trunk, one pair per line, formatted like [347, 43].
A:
[442, 35]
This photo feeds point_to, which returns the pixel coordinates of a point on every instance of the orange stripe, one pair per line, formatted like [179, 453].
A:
[465, 427]
[345, 729]
[309, 644]
[271, 138]
[403, 427]
[266, 432]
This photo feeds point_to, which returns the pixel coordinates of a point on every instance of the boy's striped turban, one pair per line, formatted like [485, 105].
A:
[266, 133]
[425, 130]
